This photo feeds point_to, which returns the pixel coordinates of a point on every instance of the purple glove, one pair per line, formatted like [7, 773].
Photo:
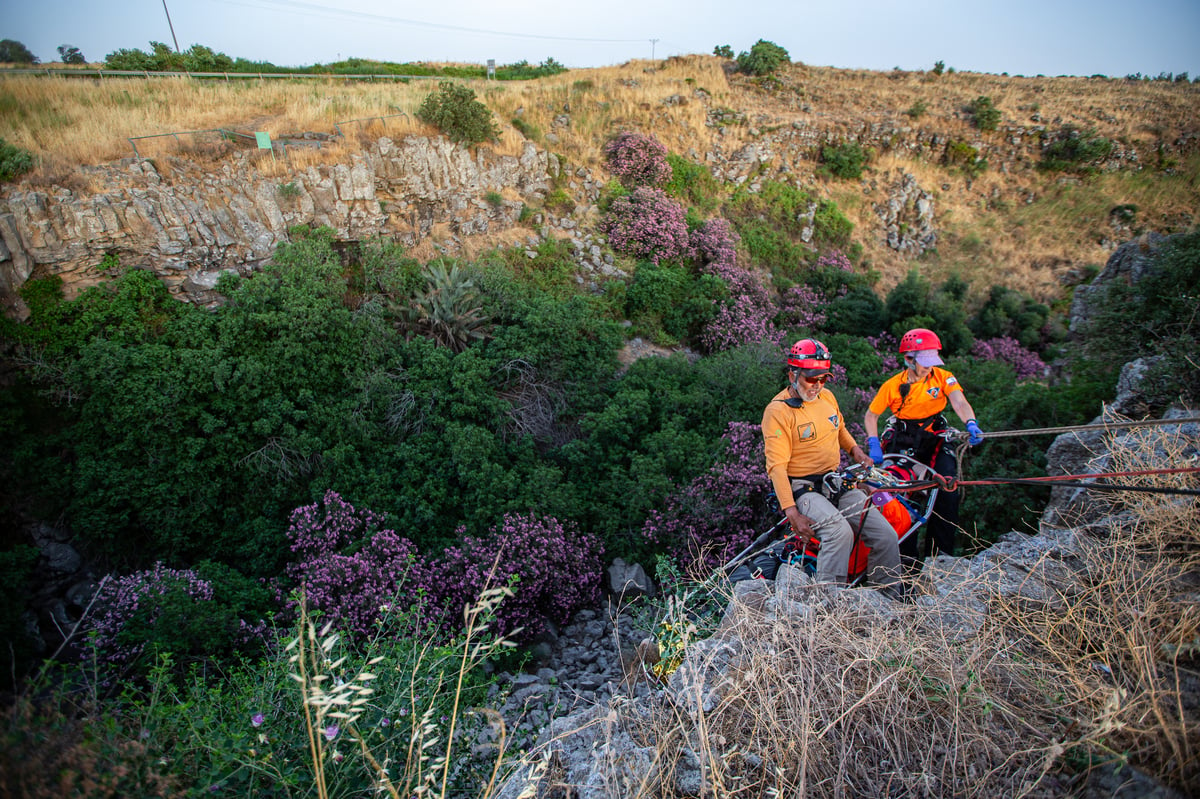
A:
[975, 434]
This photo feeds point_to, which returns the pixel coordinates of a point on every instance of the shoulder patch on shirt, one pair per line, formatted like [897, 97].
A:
[806, 431]
[951, 381]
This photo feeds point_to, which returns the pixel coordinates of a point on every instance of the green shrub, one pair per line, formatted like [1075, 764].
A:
[1163, 303]
[1012, 314]
[831, 228]
[939, 67]
[666, 298]
[454, 111]
[1075, 151]
[764, 58]
[527, 129]
[915, 303]
[14, 161]
[16, 572]
[965, 158]
[723, 51]
[917, 109]
[985, 115]
[857, 312]
[845, 160]
[559, 201]
[693, 184]
[448, 308]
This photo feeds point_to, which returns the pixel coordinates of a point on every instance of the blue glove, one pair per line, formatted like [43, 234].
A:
[976, 435]
[876, 451]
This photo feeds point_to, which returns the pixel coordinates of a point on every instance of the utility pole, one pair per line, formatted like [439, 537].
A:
[169, 25]
[652, 43]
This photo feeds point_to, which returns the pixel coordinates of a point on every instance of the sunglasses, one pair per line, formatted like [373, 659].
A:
[813, 381]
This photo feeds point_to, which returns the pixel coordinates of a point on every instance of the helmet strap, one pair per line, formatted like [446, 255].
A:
[795, 382]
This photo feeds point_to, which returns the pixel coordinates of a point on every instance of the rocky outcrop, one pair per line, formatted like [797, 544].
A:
[189, 225]
[1128, 264]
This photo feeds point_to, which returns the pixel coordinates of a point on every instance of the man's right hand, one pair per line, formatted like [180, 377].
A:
[800, 523]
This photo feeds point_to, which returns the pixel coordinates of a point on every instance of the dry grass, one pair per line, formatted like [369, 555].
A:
[1011, 225]
[845, 694]
[1123, 645]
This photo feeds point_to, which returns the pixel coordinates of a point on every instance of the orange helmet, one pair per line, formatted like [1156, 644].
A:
[810, 356]
[919, 339]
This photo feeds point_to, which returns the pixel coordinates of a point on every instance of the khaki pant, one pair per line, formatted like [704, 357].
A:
[835, 529]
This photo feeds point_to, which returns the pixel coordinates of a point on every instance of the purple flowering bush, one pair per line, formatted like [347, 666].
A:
[1024, 362]
[834, 260]
[348, 568]
[637, 160]
[713, 518]
[155, 608]
[553, 569]
[715, 243]
[802, 307]
[888, 347]
[647, 224]
[746, 315]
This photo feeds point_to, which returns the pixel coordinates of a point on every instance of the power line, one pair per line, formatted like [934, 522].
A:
[295, 6]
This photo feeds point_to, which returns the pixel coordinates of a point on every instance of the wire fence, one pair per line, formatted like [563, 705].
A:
[227, 76]
[226, 134]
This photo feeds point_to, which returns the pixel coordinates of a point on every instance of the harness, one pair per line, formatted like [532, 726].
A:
[920, 439]
[827, 484]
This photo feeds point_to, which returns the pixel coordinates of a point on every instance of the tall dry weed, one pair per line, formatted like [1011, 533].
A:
[1122, 642]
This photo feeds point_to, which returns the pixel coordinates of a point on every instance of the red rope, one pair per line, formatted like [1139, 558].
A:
[1142, 473]
[950, 484]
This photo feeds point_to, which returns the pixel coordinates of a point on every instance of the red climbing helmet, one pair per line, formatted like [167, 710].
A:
[810, 356]
[919, 339]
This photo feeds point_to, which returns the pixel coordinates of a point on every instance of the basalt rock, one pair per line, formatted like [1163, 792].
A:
[189, 224]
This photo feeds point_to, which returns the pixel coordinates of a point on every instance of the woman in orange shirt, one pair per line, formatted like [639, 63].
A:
[916, 398]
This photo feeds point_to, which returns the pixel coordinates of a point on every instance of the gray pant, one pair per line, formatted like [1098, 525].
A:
[835, 529]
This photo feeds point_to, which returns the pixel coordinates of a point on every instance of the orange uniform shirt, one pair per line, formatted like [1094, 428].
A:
[925, 397]
[800, 441]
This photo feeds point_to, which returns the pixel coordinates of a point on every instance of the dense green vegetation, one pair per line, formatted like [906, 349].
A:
[445, 396]
[198, 58]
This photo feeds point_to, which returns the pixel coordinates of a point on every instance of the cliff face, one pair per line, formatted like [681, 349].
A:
[189, 225]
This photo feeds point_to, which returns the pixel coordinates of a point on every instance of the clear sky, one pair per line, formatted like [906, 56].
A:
[1020, 37]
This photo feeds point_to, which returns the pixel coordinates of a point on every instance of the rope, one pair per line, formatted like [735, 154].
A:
[1078, 428]
[1068, 480]
[960, 453]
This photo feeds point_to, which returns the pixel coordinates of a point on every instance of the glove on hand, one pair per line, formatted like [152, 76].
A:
[876, 451]
[975, 434]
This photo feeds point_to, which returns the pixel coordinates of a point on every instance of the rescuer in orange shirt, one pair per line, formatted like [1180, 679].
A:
[803, 436]
[916, 398]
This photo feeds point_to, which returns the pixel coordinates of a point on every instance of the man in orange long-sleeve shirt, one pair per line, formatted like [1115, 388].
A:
[803, 435]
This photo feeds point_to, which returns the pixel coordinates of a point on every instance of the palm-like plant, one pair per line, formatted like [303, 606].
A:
[448, 309]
